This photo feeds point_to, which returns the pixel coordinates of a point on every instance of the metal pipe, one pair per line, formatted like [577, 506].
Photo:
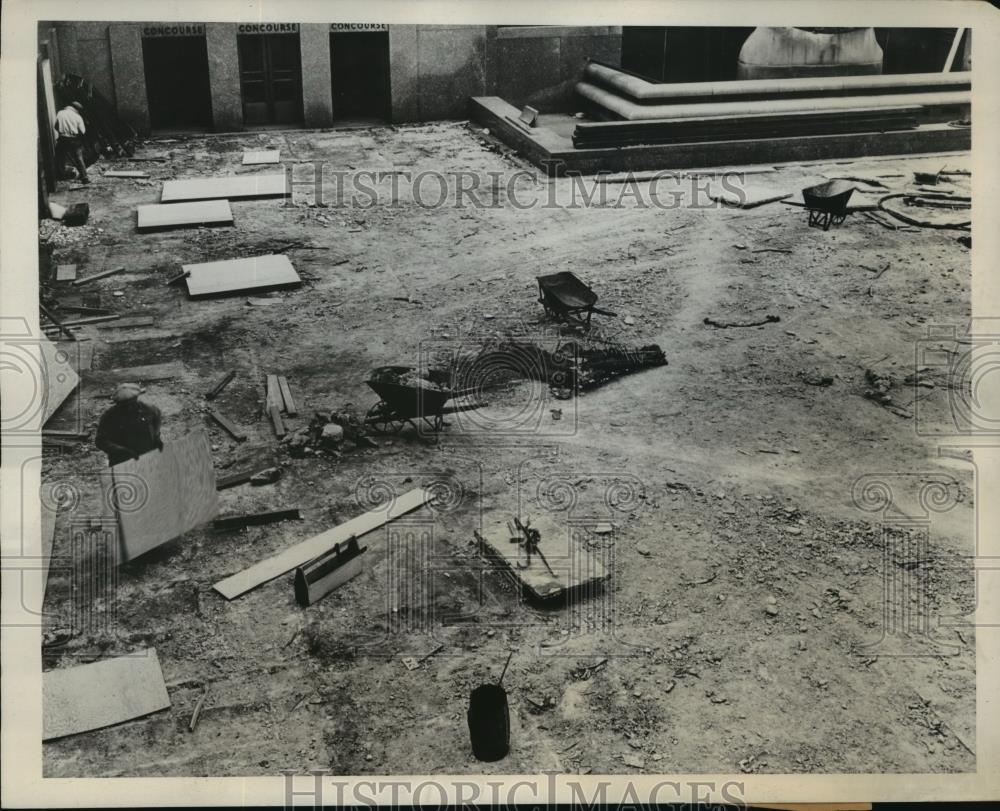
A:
[643, 91]
[631, 111]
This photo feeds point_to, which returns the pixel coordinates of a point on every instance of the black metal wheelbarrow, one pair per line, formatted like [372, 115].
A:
[409, 398]
[827, 203]
[568, 299]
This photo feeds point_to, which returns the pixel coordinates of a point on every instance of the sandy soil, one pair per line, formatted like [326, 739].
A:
[744, 629]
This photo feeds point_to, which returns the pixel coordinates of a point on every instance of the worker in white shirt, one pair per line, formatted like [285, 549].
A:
[70, 129]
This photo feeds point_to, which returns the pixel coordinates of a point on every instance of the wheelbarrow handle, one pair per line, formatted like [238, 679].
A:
[604, 312]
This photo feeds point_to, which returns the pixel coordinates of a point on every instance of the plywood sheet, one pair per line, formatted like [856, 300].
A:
[181, 215]
[60, 378]
[234, 275]
[101, 694]
[163, 494]
[261, 156]
[272, 567]
[575, 570]
[65, 273]
[236, 187]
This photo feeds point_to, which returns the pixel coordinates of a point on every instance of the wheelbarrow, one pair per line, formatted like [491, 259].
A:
[827, 203]
[407, 397]
[566, 298]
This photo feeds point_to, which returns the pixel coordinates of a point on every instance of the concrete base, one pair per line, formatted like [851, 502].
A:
[555, 154]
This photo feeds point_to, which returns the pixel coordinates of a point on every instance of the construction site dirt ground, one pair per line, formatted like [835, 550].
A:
[769, 612]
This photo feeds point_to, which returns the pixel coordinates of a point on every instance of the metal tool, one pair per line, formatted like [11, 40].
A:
[528, 537]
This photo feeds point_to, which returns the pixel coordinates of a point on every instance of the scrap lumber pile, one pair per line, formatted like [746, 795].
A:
[596, 365]
[106, 133]
[575, 365]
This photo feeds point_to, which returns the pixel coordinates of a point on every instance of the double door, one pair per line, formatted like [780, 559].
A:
[270, 78]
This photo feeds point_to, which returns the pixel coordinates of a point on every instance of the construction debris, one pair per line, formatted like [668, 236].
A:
[271, 272]
[270, 568]
[261, 156]
[183, 215]
[768, 319]
[231, 522]
[566, 571]
[106, 134]
[267, 476]
[239, 187]
[234, 431]
[326, 433]
[328, 572]
[218, 387]
[102, 275]
[102, 694]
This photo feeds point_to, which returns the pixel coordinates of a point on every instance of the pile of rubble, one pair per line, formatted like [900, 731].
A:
[326, 434]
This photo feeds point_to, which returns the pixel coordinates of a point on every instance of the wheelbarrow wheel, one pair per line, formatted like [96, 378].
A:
[382, 420]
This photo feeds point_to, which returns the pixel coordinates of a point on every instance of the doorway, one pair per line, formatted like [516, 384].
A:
[270, 79]
[177, 88]
[359, 69]
[683, 54]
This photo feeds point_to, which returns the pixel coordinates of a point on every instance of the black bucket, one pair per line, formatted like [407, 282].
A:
[489, 722]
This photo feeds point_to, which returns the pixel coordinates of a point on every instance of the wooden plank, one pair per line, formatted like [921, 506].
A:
[126, 173]
[79, 435]
[57, 324]
[253, 158]
[272, 393]
[217, 389]
[181, 215]
[174, 492]
[60, 378]
[229, 522]
[102, 275]
[233, 479]
[275, 414]
[102, 694]
[93, 319]
[78, 308]
[236, 187]
[65, 273]
[235, 275]
[575, 570]
[286, 396]
[748, 196]
[138, 374]
[277, 565]
[130, 321]
[234, 431]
